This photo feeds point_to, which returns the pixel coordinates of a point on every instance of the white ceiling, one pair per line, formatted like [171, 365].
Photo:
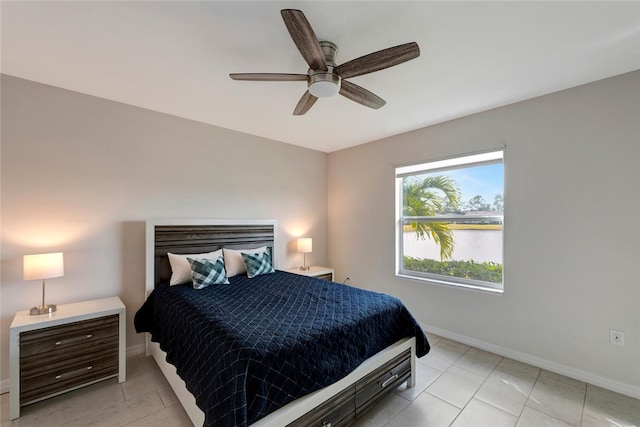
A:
[175, 57]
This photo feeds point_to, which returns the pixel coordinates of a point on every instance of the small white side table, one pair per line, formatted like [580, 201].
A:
[58, 339]
[325, 273]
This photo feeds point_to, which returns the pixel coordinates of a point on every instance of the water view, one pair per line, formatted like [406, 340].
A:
[476, 245]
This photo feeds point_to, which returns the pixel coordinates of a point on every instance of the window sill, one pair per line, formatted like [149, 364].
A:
[451, 284]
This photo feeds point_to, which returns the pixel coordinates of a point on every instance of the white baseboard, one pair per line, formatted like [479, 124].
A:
[131, 351]
[135, 350]
[609, 384]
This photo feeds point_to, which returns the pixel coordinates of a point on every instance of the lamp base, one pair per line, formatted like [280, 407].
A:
[304, 268]
[43, 309]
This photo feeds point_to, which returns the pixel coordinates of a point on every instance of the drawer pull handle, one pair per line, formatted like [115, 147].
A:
[76, 372]
[326, 424]
[75, 339]
[389, 381]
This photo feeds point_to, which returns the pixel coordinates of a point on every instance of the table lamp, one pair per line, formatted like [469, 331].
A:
[305, 245]
[41, 267]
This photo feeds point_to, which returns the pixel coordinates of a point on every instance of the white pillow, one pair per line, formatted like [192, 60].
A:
[233, 261]
[180, 268]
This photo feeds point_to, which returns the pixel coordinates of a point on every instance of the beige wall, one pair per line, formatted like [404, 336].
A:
[572, 242]
[81, 175]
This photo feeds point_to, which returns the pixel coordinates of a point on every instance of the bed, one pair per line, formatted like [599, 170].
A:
[277, 349]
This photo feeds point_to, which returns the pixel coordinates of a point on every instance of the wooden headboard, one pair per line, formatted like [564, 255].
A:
[198, 236]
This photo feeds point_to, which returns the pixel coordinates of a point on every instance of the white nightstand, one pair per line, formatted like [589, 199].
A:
[325, 273]
[76, 345]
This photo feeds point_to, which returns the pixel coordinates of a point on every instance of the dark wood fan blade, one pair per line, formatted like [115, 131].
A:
[378, 60]
[268, 77]
[361, 95]
[304, 104]
[304, 38]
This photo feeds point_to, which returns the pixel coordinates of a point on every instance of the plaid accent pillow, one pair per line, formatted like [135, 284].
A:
[257, 264]
[206, 272]
[180, 268]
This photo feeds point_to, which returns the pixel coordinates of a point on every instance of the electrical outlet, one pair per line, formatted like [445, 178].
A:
[616, 337]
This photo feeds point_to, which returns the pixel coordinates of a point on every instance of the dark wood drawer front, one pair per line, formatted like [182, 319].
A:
[327, 276]
[336, 412]
[66, 355]
[61, 339]
[60, 357]
[382, 380]
[71, 375]
[60, 365]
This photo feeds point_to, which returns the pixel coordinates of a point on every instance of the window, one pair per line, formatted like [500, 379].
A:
[450, 221]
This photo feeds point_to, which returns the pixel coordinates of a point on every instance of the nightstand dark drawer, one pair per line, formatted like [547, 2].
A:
[382, 380]
[60, 339]
[61, 357]
[67, 374]
[327, 276]
[66, 355]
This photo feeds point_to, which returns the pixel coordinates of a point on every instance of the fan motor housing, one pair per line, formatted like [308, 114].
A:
[323, 84]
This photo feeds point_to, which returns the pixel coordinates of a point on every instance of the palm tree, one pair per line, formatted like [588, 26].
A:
[427, 197]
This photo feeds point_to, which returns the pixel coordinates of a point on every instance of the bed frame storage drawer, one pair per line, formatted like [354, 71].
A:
[381, 381]
[351, 403]
[336, 412]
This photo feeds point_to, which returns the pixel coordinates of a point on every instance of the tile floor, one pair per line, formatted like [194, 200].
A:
[457, 386]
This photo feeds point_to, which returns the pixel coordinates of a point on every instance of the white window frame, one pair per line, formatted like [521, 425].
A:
[462, 161]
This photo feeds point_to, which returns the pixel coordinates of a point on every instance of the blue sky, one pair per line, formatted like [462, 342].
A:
[485, 180]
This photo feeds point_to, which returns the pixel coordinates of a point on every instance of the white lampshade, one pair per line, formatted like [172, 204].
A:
[305, 244]
[43, 266]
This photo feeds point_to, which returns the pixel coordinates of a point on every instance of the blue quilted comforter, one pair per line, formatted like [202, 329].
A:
[249, 348]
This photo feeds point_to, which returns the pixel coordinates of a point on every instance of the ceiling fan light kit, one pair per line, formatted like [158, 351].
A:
[321, 83]
[324, 77]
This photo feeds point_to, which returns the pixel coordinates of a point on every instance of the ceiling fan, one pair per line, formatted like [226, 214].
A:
[325, 78]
